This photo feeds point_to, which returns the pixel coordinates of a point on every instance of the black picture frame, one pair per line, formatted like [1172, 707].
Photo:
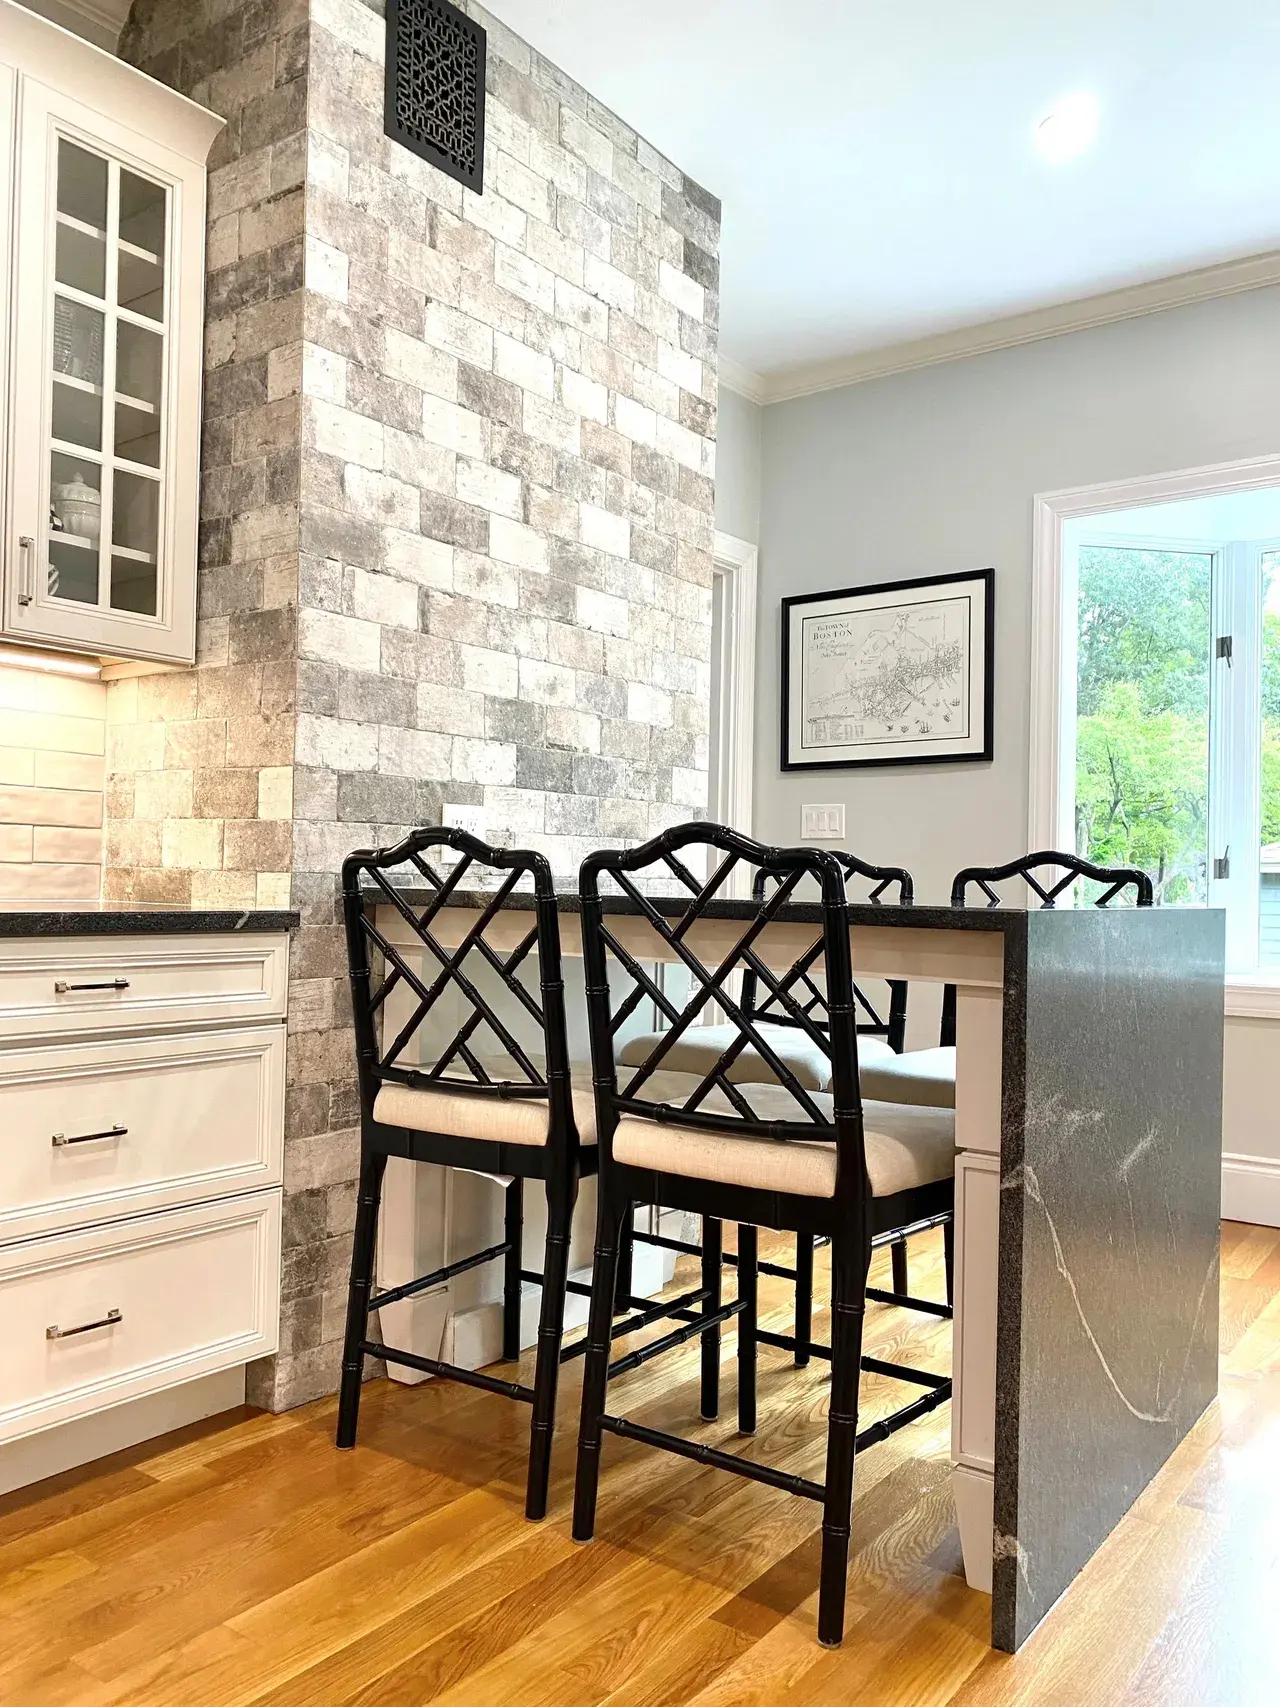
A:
[977, 746]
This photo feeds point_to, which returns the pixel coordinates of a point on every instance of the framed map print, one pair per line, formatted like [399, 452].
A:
[897, 674]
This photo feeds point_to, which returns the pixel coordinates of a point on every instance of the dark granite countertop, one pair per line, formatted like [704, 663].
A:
[129, 918]
[918, 916]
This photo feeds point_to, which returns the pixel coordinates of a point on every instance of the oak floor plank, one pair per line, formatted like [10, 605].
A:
[246, 1563]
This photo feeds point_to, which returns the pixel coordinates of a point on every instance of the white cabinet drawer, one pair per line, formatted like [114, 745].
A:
[80, 984]
[94, 1130]
[175, 1296]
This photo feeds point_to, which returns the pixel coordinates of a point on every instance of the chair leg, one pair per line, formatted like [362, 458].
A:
[804, 1297]
[359, 1290]
[848, 1307]
[898, 1254]
[513, 1233]
[748, 1276]
[712, 1273]
[561, 1195]
[949, 1258]
[595, 1375]
[626, 1260]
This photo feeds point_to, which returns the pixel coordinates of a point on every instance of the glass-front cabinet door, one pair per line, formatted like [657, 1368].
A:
[107, 386]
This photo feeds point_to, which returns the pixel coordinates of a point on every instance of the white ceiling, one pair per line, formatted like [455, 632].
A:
[875, 157]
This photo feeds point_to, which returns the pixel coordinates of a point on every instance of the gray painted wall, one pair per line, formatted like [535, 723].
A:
[935, 470]
[738, 451]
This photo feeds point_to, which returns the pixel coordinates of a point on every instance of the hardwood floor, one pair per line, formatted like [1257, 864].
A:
[249, 1562]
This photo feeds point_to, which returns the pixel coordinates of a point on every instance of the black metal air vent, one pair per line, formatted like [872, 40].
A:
[435, 86]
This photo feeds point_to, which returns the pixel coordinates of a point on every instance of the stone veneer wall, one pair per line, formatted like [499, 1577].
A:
[504, 414]
[199, 762]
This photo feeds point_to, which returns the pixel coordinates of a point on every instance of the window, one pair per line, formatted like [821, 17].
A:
[1173, 739]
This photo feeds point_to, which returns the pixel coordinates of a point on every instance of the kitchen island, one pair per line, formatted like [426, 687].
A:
[1088, 1181]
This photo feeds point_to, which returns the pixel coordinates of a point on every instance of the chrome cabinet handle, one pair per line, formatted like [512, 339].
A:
[61, 1141]
[26, 586]
[54, 1332]
[62, 988]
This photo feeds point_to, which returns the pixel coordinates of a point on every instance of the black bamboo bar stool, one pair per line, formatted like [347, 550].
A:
[764, 1154]
[496, 1099]
[928, 1076]
[881, 1036]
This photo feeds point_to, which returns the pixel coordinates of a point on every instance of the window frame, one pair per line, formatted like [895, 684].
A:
[1235, 809]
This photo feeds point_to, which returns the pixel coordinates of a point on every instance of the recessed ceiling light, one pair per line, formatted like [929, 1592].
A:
[1069, 129]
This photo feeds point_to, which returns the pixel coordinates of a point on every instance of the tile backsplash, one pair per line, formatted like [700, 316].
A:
[52, 747]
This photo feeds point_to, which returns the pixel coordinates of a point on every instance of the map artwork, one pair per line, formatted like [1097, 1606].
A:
[897, 674]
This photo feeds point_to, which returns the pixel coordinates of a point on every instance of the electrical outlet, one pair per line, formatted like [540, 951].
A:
[468, 818]
[821, 823]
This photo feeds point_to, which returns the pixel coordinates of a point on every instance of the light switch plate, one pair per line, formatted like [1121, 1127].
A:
[821, 823]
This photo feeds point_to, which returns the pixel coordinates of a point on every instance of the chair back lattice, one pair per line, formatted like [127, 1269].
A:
[714, 949]
[1115, 880]
[872, 1020]
[493, 1034]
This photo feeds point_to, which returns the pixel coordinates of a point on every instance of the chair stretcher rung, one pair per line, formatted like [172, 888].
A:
[649, 1313]
[716, 1460]
[581, 1287]
[905, 1302]
[920, 1407]
[451, 1371]
[666, 1244]
[697, 1325]
[439, 1277]
[902, 1372]
[789, 1342]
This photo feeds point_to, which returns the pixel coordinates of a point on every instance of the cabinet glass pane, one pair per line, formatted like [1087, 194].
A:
[81, 259]
[82, 185]
[78, 340]
[135, 537]
[77, 413]
[139, 370]
[143, 240]
[75, 528]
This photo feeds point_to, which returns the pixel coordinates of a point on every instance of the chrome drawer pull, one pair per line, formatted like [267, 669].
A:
[107, 1321]
[26, 591]
[61, 1141]
[62, 988]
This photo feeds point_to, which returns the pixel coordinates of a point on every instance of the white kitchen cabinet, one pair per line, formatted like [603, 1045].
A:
[142, 1081]
[104, 260]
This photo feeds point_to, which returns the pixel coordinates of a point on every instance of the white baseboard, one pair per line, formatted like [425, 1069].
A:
[87, 1438]
[1251, 1189]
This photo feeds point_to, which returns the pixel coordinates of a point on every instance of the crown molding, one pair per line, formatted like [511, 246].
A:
[1228, 278]
[99, 21]
[744, 380]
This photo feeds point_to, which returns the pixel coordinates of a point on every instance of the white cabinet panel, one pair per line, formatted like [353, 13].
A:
[95, 1318]
[106, 332]
[8, 96]
[973, 1410]
[126, 983]
[95, 1130]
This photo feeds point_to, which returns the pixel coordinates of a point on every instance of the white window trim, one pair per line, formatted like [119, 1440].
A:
[740, 558]
[1053, 641]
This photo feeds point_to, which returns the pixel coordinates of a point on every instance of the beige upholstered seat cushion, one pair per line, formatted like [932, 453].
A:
[699, 1048]
[922, 1076]
[517, 1120]
[905, 1147]
[498, 1120]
